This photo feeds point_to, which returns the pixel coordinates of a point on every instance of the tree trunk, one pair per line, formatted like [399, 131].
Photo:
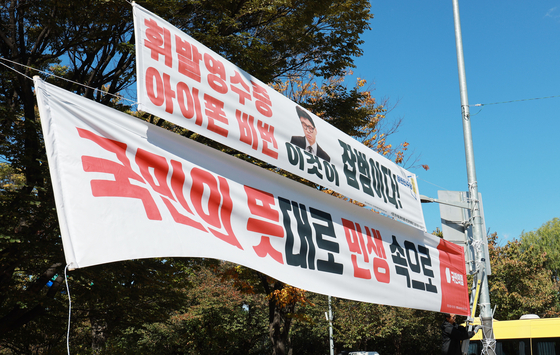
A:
[279, 321]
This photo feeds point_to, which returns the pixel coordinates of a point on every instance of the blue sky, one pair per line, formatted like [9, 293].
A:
[512, 52]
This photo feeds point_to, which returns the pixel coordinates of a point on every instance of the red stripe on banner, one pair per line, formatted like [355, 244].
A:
[454, 298]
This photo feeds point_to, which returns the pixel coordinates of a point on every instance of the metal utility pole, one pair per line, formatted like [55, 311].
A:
[478, 234]
[330, 318]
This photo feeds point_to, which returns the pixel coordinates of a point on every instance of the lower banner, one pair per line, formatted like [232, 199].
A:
[126, 189]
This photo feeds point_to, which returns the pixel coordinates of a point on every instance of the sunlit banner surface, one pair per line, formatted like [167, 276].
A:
[186, 83]
[126, 189]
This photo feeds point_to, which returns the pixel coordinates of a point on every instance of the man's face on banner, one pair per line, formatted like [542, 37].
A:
[309, 130]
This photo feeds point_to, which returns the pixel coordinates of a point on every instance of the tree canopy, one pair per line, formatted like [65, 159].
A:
[274, 38]
[520, 282]
[89, 47]
[195, 306]
[545, 239]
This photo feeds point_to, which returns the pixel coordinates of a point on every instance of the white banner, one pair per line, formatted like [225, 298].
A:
[184, 82]
[126, 189]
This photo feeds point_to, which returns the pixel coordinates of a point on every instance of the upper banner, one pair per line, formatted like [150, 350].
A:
[184, 82]
[126, 189]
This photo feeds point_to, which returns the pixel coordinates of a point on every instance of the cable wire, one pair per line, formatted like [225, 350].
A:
[431, 183]
[120, 97]
[511, 101]
[7, 66]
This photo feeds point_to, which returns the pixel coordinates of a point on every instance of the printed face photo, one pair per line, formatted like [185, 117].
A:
[308, 141]
[308, 129]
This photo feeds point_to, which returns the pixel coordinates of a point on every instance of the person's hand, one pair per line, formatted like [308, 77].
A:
[477, 328]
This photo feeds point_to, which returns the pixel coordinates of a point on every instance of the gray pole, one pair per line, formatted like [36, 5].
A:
[478, 235]
[331, 342]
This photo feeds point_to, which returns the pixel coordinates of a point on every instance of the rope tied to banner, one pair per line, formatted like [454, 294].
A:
[69, 308]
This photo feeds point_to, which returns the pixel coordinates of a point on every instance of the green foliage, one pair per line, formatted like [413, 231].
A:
[388, 330]
[216, 318]
[274, 38]
[520, 282]
[546, 239]
[10, 179]
[37, 34]
[309, 333]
